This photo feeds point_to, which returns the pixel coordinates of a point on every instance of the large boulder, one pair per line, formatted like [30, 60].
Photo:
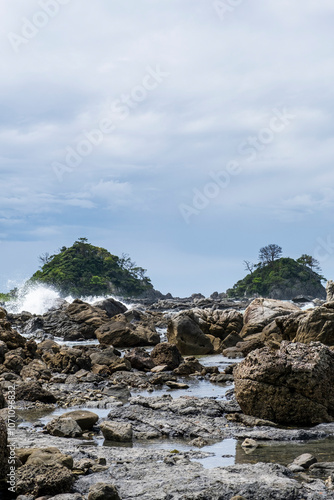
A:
[40, 456]
[111, 306]
[10, 337]
[261, 312]
[219, 323]
[290, 386]
[78, 320]
[122, 333]
[185, 332]
[107, 358]
[33, 391]
[3, 449]
[317, 325]
[166, 354]
[103, 491]
[140, 359]
[67, 359]
[42, 480]
[64, 426]
[116, 431]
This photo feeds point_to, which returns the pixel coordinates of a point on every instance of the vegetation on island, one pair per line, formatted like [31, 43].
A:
[84, 269]
[280, 277]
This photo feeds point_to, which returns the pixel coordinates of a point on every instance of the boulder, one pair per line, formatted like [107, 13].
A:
[13, 362]
[219, 323]
[64, 426]
[317, 325]
[190, 365]
[116, 431]
[140, 359]
[289, 386]
[121, 333]
[35, 370]
[166, 354]
[111, 306]
[67, 360]
[85, 419]
[43, 479]
[2, 400]
[107, 357]
[3, 449]
[261, 312]
[103, 491]
[40, 456]
[184, 331]
[78, 320]
[33, 391]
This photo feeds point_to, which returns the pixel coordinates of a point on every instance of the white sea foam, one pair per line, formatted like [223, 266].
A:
[38, 299]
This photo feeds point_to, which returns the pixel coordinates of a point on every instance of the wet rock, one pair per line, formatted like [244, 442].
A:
[250, 443]
[221, 378]
[33, 391]
[10, 337]
[288, 386]
[322, 469]
[125, 334]
[107, 357]
[233, 352]
[2, 400]
[64, 427]
[43, 479]
[184, 331]
[305, 460]
[116, 431]
[48, 345]
[103, 491]
[261, 312]
[250, 345]
[67, 496]
[139, 359]
[166, 354]
[85, 419]
[111, 306]
[189, 366]
[176, 385]
[3, 449]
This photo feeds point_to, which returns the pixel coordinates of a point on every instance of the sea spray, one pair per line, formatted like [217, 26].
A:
[38, 299]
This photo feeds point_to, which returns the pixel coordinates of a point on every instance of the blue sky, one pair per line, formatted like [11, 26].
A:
[186, 133]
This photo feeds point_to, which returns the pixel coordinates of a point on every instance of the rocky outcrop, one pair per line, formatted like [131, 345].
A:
[218, 323]
[75, 321]
[43, 480]
[184, 331]
[290, 386]
[139, 359]
[67, 359]
[33, 391]
[317, 325]
[111, 306]
[261, 312]
[122, 333]
[10, 337]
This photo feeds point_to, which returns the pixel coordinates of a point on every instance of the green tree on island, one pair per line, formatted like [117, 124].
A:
[84, 269]
[280, 277]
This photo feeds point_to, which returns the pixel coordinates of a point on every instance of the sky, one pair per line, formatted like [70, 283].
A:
[185, 133]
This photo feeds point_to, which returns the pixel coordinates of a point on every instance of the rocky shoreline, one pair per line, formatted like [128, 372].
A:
[98, 413]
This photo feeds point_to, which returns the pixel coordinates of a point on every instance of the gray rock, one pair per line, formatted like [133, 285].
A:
[116, 431]
[102, 491]
[64, 427]
[85, 419]
[3, 449]
[305, 460]
[305, 372]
